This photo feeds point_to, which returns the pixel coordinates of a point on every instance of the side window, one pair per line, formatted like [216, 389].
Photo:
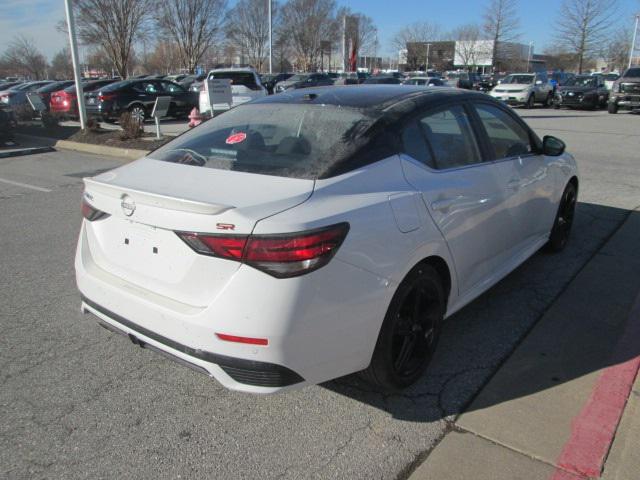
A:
[508, 137]
[145, 87]
[451, 138]
[413, 144]
[170, 87]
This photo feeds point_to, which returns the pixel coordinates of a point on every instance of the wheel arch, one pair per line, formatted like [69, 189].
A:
[574, 180]
[441, 266]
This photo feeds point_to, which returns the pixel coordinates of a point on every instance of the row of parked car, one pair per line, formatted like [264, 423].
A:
[107, 99]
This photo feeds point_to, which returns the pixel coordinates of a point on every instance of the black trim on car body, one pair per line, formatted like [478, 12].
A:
[249, 372]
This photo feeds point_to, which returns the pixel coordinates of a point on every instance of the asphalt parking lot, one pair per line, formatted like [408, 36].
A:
[79, 402]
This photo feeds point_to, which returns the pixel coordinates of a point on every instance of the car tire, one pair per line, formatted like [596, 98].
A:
[548, 101]
[612, 107]
[531, 102]
[564, 220]
[409, 332]
[138, 112]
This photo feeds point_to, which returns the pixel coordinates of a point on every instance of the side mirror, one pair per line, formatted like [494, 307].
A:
[552, 146]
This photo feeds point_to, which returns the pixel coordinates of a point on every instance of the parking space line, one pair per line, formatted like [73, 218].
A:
[24, 185]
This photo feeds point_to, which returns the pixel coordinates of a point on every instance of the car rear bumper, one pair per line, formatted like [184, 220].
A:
[248, 372]
[316, 329]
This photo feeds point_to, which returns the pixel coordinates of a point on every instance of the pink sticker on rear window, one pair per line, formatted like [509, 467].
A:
[236, 138]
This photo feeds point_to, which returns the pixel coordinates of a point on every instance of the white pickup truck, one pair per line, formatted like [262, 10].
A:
[525, 89]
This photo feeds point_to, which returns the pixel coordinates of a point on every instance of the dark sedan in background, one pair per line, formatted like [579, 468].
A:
[582, 91]
[304, 80]
[382, 80]
[138, 98]
[270, 80]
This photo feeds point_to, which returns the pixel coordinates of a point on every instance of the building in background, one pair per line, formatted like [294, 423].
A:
[471, 55]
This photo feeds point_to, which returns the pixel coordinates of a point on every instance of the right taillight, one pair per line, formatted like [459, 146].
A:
[91, 213]
[282, 255]
[103, 97]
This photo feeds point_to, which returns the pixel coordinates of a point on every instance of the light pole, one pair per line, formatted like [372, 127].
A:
[74, 59]
[426, 67]
[270, 40]
[633, 42]
[529, 57]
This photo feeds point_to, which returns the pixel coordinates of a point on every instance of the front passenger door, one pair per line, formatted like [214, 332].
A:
[531, 184]
[467, 198]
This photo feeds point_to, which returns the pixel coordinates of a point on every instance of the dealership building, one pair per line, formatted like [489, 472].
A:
[473, 55]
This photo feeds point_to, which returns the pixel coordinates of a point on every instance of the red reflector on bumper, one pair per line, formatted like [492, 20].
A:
[249, 340]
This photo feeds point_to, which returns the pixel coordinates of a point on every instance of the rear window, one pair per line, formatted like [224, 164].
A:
[289, 140]
[632, 72]
[237, 78]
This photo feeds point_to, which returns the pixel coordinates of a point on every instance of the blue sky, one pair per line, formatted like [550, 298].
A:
[37, 18]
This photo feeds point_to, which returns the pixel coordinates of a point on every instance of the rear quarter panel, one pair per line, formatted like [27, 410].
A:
[375, 243]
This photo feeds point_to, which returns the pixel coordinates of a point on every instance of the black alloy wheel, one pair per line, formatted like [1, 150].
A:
[410, 331]
[564, 220]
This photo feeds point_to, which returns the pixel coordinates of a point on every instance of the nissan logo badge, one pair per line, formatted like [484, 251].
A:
[128, 205]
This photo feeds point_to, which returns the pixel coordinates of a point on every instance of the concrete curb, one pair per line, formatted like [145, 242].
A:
[128, 153]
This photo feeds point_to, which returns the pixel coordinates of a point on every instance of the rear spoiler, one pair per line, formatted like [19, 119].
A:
[154, 199]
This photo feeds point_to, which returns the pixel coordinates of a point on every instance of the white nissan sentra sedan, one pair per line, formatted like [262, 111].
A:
[320, 232]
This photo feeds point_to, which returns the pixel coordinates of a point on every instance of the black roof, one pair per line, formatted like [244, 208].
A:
[374, 97]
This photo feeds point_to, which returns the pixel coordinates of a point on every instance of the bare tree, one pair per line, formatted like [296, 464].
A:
[113, 26]
[194, 25]
[248, 29]
[418, 32]
[163, 59]
[61, 66]
[24, 58]
[616, 51]
[583, 25]
[501, 24]
[471, 45]
[98, 61]
[558, 58]
[307, 23]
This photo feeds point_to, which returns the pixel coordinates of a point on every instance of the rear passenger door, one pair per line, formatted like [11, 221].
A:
[468, 199]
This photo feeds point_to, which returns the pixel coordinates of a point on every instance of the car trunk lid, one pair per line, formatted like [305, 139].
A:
[148, 201]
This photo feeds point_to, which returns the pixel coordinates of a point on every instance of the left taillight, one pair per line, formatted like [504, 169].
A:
[282, 256]
[91, 213]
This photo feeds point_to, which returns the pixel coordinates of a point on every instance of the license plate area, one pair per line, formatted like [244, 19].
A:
[151, 252]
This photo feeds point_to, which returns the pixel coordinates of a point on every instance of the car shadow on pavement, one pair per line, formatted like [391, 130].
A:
[477, 340]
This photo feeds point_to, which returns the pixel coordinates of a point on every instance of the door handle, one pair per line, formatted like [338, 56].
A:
[442, 205]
